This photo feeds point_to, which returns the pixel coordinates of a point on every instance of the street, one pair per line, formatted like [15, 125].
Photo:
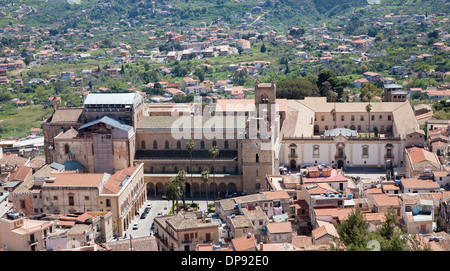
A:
[158, 205]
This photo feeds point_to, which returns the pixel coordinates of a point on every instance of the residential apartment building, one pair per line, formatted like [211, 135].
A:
[18, 233]
[182, 232]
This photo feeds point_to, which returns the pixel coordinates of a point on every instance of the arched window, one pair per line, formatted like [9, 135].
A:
[155, 145]
[214, 143]
[143, 144]
[226, 144]
[202, 145]
[67, 148]
[178, 144]
[257, 158]
[166, 145]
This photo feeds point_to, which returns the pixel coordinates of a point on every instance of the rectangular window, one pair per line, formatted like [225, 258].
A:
[322, 118]
[365, 151]
[389, 117]
[342, 118]
[315, 151]
[362, 118]
[71, 201]
[108, 203]
[353, 117]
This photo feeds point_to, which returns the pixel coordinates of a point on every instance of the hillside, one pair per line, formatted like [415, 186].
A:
[107, 13]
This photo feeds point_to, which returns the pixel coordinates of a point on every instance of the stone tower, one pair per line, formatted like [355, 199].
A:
[258, 149]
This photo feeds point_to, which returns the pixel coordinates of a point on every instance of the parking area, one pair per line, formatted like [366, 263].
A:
[159, 206]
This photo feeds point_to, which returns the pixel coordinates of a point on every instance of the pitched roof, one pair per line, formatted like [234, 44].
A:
[419, 183]
[326, 228]
[108, 121]
[280, 227]
[65, 115]
[418, 155]
[384, 200]
[115, 183]
[110, 98]
[244, 243]
[275, 195]
[75, 179]
[21, 173]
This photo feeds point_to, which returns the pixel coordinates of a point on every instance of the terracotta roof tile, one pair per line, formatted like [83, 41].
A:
[279, 227]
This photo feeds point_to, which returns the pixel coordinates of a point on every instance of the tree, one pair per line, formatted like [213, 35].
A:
[263, 48]
[205, 178]
[368, 91]
[172, 192]
[368, 109]
[353, 232]
[190, 148]
[297, 88]
[180, 180]
[214, 152]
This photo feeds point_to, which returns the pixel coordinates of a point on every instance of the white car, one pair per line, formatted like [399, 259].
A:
[149, 204]
[135, 226]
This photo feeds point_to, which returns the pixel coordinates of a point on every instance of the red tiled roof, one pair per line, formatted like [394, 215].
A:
[279, 227]
[243, 243]
[76, 179]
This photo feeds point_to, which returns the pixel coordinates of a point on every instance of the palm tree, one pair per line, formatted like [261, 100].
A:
[172, 192]
[190, 148]
[333, 113]
[205, 178]
[368, 109]
[214, 152]
[180, 180]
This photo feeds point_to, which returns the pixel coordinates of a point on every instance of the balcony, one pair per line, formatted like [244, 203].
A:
[292, 155]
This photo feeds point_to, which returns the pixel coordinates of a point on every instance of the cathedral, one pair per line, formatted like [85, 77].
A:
[255, 138]
[114, 131]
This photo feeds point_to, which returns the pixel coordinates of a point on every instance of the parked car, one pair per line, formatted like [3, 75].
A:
[149, 205]
[160, 214]
[144, 215]
[135, 226]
